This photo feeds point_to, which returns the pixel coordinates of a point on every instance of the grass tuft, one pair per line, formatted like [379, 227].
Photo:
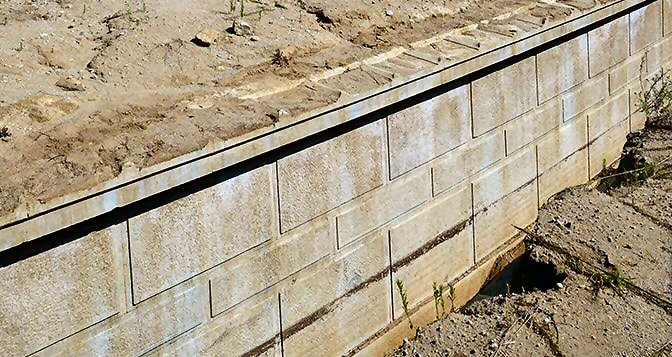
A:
[404, 301]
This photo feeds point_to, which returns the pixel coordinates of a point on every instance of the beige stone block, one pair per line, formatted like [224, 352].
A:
[383, 205]
[255, 270]
[252, 327]
[607, 148]
[450, 211]
[348, 323]
[529, 127]
[607, 115]
[318, 287]
[172, 243]
[504, 95]
[562, 142]
[646, 26]
[422, 132]
[637, 121]
[504, 178]
[150, 325]
[584, 96]
[658, 55]
[667, 17]
[625, 73]
[56, 293]
[324, 176]
[562, 67]
[608, 45]
[569, 172]
[494, 226]
[441, 264]
[467, 160]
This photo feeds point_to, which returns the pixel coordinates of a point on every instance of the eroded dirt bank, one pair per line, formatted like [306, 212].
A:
[609, 248]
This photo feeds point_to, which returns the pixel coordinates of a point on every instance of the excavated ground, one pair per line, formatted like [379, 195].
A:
[595, 237]
[90, 88]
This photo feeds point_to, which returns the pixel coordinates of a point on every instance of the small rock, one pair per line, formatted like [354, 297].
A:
[70, 84]
[559, 285]
[242, 28]
[389, 12]
[206, 37]
[254, 38]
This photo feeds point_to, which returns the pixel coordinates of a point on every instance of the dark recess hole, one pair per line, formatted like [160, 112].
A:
[522, 275]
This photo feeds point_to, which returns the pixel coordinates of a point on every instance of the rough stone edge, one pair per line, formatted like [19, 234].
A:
[132, 186]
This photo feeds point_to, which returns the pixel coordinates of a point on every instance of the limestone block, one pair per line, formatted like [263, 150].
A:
[607, 115]
[252, 326]
[350, 322]
[494, 226]
[56, 293]
[422, 132]
[324, 176]
[504, 178]
[319, 286]
[172, 243]
[446, 212]
[529, 127]
[569, 172]
[384, 205]
[147, 327]
[667, 17]
[637, 121]
[562, 67]
[467, 160]
[584, 96]
[658, 55]
[625, 73]
[253, 271]
[646, 26]
[607, 148]
[562, 142]
[504, 95]
[441, 264]
[608, 45]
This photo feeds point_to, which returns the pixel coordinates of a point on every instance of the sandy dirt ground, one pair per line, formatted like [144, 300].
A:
[608, 246]
[90, 88]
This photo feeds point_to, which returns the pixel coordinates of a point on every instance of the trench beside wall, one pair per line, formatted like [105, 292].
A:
[296, 253]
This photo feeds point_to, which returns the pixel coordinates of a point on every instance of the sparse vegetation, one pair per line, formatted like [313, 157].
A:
[438, 300]
[655, 99]
[404, 302]
[452, 295]
[613, 279]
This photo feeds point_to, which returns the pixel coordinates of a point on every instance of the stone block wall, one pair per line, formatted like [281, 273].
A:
[298, 256]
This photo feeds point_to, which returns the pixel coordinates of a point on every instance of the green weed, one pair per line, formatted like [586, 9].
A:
[613, 279]
[452, 295]
[404, 301]
[438, 300]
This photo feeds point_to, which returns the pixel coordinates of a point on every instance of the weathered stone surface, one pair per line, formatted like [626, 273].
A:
[658, 55]
[467, 160]
[323, 284]
[255, 270]
[147, 327]
[504, 95]
[494, 226]
[254, 325]
[353, 320]
[667, 16]
[562, 142]
[384, 205]
[504, 178]
[429, 129]
[571, 171]
[584, 96]
[529, 127]
[54, 294]
[441, 264]
[646, 26]
[418, 229]
[607, 148]
[608, 45]
[326, 175]
[607, 115]
[172, 243]
[562, 67]
[624, 73]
